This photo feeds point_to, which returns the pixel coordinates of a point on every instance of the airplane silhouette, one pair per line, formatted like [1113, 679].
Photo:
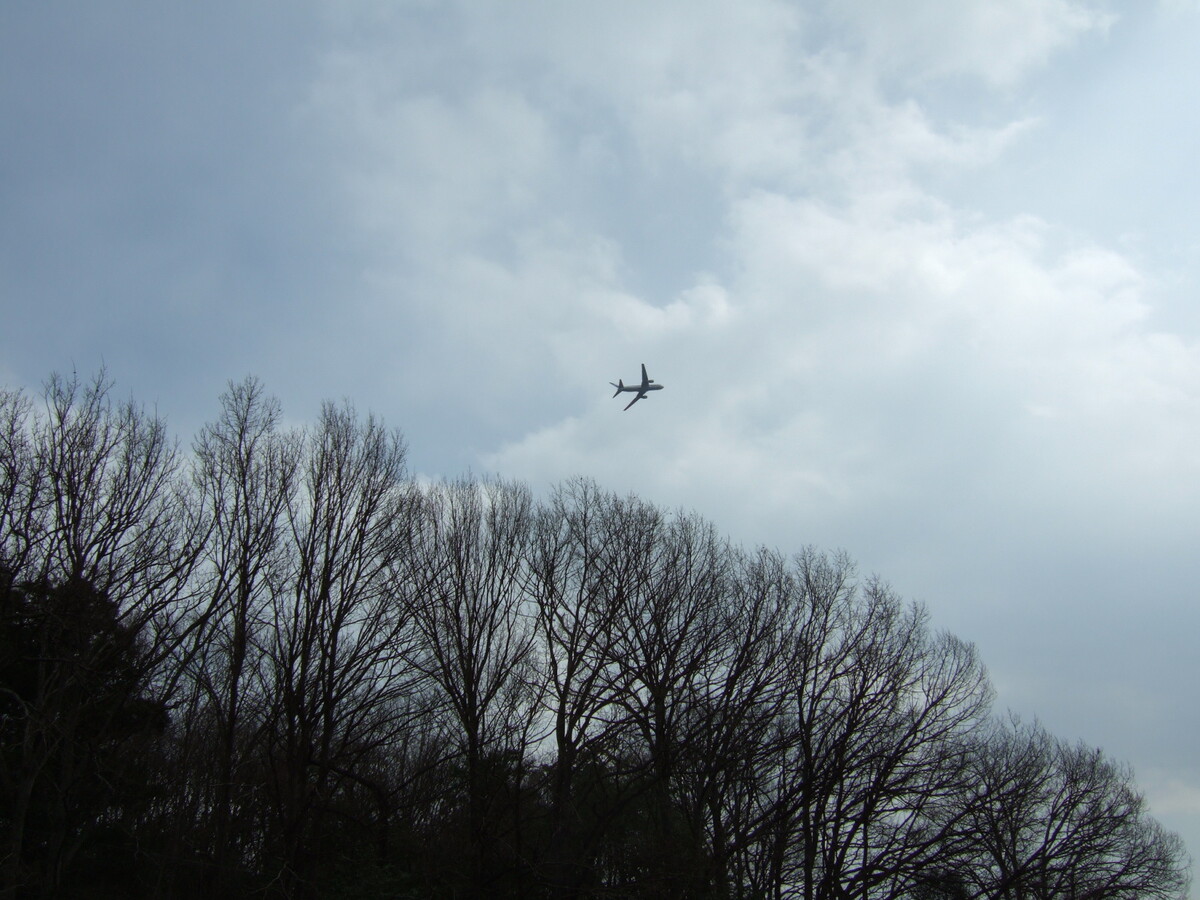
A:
[641, 389]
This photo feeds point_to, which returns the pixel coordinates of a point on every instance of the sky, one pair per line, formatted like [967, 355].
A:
[920, 279]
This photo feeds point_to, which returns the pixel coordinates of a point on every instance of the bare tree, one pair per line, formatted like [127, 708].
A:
[588, 549]
[1050, 819]
[335, 679]
[246, 478]
[871, 740]
[733, 740]
[116, 518]
[23, 493]
[668, 648]
[297, 670]
[785, 791]
[95, 534]
[477, 645]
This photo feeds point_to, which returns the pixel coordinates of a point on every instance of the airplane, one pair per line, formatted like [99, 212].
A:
[641, 389]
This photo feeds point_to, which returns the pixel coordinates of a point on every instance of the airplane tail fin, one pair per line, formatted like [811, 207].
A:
[619, 385]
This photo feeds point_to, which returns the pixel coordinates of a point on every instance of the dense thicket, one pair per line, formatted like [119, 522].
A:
[280, 667]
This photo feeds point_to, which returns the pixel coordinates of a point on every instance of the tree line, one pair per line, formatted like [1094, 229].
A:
[280, 666]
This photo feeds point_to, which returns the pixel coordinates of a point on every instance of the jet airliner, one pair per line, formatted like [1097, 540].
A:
[641, 389]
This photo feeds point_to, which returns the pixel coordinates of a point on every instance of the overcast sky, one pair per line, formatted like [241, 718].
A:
[920, 279]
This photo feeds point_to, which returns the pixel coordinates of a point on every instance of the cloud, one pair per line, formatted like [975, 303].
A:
[999, 43]
[858, 335]
[1170, 795]
[876, 354]
[422, 171]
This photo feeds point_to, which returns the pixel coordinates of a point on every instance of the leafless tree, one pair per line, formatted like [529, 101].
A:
[734, 741]
[668, 646]
[246, 481]
[466, 566]
[297, 668]
[871, 741]
[94, 532]
[335, 679]
[733, 771]
[590, 548]
[23, 493]
[1050, 819]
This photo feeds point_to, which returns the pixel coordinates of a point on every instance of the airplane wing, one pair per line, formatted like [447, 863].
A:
[645, 377]
[638, 396]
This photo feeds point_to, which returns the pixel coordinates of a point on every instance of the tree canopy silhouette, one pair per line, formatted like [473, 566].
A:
[282, 667]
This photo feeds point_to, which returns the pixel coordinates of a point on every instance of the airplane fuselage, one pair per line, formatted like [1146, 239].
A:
[639, 388]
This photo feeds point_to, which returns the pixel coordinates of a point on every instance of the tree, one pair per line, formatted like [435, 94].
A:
[111, 513]
[294, 672]
[246, 478]
[97, 547]
[23, 494]
[734, 740]
[869, 743]
[334, 679]
[76, 718]
[669, 646]
[467, 601]
[590, 562]
[1050, 819]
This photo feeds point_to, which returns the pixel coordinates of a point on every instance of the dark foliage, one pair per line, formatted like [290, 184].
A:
[77, 730]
